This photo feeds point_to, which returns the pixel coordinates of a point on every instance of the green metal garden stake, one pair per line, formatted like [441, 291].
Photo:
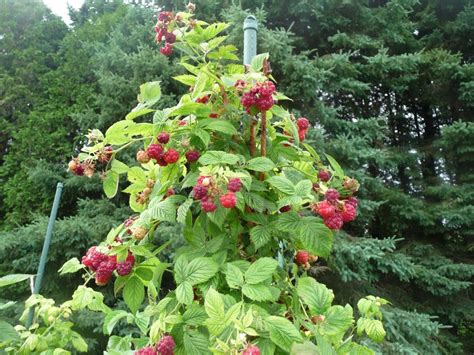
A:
[44, 253]
[250, 38]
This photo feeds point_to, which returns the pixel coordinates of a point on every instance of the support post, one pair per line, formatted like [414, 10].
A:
[46, 244]
[250, 39]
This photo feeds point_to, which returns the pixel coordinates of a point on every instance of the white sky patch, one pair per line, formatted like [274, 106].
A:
[59, 7]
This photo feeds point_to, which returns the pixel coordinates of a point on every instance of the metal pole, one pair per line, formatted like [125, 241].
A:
[44, 253]
[250, 38]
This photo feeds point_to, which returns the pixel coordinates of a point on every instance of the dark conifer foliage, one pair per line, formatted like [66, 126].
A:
[387, 85]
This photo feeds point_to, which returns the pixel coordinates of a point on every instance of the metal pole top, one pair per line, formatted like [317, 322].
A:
[250, 23]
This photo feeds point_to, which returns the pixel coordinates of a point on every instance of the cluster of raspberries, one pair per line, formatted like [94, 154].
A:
[259, 96]
[205, 191]
[165, 18]
[303, 124]
[304, 258]
[164, 157]
[88, 167]
[334, 211]
[165, 346]
[104, 265]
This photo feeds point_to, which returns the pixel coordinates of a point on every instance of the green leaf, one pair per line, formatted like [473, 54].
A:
[184, 293]
[375, 330]
[315, 295]
[282, 184]
[186, 79]
[260, 235]
[307, 348]
[258, 292]
[234, 277]
[214, 304]
[110, 183]
[335, 165]
[195, 343]
[195, 315]
[303, 188]
[200, 270]
[71, 266]
[78, 342]
[338, 320]
[8, 332]
[282, 332]
[117, 134]
[257, 61]
[212, 157]
[261, 270]
[111, 319]
[315, 237]
[260, 164]
[150, 93]
[134, 293]
[218, 125]
[13, 279]
[183, 210]
[163, 210]
[203, 135]
[194, 108]
[289, 222]
[138, 111]
[119, 167]
[200, 84]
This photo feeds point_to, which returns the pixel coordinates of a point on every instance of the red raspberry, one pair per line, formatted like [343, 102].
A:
[167, 50]
[213, 115]
[315, 187]
[251, 350]
[170, 37]
[104, 272]
[163, 137]
[166, 345]
[302, 134]
[325, 209]
[331, 195]
[155, 151]
[192, 156]
[208, 205]
[285, 209]
[265, 103]
[334, 222]
[302, 257]
[199, 192]
[124, 267]
[349, 213]
[302, 123]
[228, 200]
[79, 171]
[171, 156]
[148, 350]
[169, 192]
[203, 100]
[234, 185]
[160, 32]
[93, 258]
[182, 123]
[165, 16]
[161, 161]
[324, 175]
[352, 201]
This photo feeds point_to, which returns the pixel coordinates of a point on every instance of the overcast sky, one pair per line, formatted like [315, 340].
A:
[59, 7]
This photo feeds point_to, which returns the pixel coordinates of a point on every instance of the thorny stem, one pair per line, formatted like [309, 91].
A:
[263, 139]
[252, 147]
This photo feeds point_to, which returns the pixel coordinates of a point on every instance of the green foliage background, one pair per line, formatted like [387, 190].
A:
[388, 85]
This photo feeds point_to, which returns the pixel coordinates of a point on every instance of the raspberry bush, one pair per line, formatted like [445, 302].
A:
[258, 208]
